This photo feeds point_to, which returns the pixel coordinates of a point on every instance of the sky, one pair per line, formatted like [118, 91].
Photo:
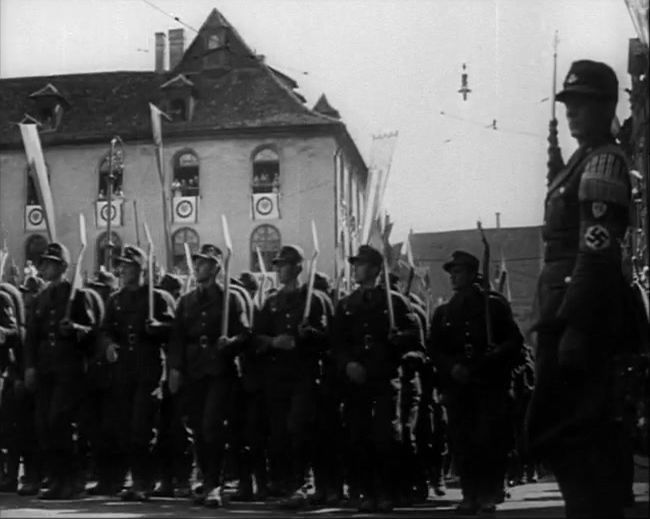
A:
[385, 65]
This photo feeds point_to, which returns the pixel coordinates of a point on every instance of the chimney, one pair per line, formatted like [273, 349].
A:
[160, 52]
[498, 220]
[176, 44]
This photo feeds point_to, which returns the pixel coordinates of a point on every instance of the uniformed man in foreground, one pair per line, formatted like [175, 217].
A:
[202, 366]
[368, 355]
[583, 300]
[56, 349]
[291, 347]
[475, 379]
[132, 343]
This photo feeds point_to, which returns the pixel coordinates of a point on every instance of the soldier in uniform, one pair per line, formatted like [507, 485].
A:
[132, 343]
[11, 388]
[475, 380]
[368, 355]
[55, 356]
[202, 366]
[291, 348]
[583, 302]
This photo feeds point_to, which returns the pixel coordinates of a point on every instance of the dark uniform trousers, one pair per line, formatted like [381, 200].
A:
[289, 383]
[584, 324]
[209, 375]
[59, 363]
[372, 413]
[129, 416]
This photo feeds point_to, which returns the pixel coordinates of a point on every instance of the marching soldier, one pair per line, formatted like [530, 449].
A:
[11, 384]
[132, 344]
[202, 366]
[369, 355]
[55, 354]
[475, 380]
[584, 302]
[291, 349]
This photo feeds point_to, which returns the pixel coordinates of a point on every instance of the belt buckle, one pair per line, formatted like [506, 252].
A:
[203, 341]
[51, 337]
[131, 339]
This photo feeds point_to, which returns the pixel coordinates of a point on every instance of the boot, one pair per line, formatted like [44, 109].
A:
[214, 498]
[245, 488]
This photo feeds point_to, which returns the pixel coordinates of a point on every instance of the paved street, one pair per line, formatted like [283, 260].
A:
[538, 500]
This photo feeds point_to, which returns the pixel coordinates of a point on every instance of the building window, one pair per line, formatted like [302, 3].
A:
[34, 247]
[177, 110]
[267, 239]
[102, 249]
[116, 178]
[266, 172]
[179, 238]
[186, 174]
[214, 42]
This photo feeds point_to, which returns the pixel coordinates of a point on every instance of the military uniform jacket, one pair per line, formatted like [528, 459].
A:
[46, 348]
[193, 344]
[459, 336]
[282, 313]
[361, 329]
[586, 216]
[127, 312]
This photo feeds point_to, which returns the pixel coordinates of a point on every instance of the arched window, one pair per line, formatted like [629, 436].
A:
[34, 247]
[181, 236]
[267, 239]
[117, 177]
[266, 172]
[102, 249]
[186, 174]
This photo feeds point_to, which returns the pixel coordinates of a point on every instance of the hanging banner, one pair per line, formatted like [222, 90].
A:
[265, 206]
[185, 209]
[35, 218]
[105, 212]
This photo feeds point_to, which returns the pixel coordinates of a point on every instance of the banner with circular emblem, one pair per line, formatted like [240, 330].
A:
[265, 206]
[184, 209]
[35, 218]
[105, 212]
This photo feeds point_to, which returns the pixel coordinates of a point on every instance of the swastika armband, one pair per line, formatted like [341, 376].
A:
[597, 237]
[605, 179]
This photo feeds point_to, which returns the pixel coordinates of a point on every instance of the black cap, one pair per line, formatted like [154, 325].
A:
[56, 251]
[104, 279]
[32, 284]
[133, 255]
[208, 252]
[591, 79]
[462, 258]
[321, 281]
[367, 254]
[248, 281]
[289, 254]
[170, 283]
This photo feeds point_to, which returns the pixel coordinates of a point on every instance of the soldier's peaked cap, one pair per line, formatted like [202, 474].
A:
[289, 254]
[588, 78]
[461, 258]
[132, 255]
[367, 254]
[208, 252]
[56, 251]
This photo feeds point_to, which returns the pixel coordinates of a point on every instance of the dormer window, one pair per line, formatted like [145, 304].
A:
[50, 105]
[214, 42]
[180, 98]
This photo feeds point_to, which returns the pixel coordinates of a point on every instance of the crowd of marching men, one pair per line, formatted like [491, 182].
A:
[303, 396]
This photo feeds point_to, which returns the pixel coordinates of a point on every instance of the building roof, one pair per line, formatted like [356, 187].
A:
[246, 95]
